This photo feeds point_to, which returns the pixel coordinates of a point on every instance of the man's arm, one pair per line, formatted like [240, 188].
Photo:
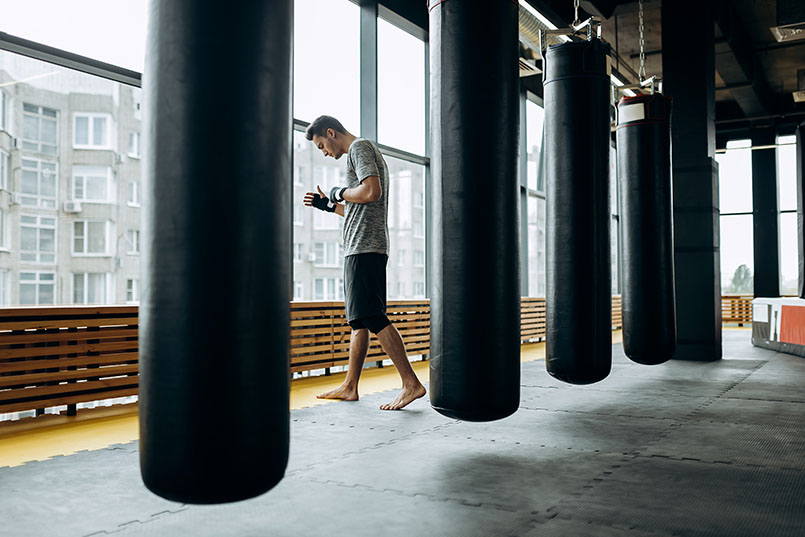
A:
[367, 192]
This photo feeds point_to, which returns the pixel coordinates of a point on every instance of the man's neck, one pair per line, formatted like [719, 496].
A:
[348, 139]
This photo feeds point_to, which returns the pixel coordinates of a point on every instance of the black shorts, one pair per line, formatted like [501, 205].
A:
[365, 285]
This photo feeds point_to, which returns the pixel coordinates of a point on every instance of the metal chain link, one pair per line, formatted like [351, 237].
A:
[576, 21]
[642, 72]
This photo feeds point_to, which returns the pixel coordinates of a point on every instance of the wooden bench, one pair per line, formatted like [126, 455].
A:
[532, 318]
[736, 309]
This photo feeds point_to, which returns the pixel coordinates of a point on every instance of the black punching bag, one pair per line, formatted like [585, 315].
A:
[579, 298]
[475, 292]
[646, 222]
[214, 373]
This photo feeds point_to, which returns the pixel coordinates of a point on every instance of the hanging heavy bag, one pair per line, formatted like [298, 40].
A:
[646, 222]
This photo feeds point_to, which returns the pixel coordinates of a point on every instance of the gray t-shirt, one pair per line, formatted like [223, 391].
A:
[365, 224]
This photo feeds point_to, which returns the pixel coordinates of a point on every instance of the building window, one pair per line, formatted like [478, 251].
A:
[90, 237]
[134, 144]
[4, 276]
[419, 258]
[37, 287]
[419, 289]
[297, 290]
[91, 183]
[328, 254]
[92, 131]
[38, 187]
[90, 288]
[298, 248]
[328, 289]
[735, 225]
[3, 230]
[402, 257]
[297, 215]
[39, 129]
[5, 111]
[37, 239]
[132, 291]
[134, 194]
[5, 167]
[133, 239]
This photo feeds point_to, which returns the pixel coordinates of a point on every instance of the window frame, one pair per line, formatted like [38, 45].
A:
[107, 287]
[109, 176]
[91, 116]
[133, 246]
[41, 200]
[39, 115]
[107, 236]
[39, 226]
[37, 282]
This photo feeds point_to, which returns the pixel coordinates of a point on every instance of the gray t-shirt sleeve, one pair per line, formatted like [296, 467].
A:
[364, 160]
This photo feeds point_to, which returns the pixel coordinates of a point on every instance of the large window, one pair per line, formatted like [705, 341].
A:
[92, 131]
[5, 111]
[5, 168]
[37, 287]
[90, 237]
[92, 183]
[40, 129]
[38, 187]
[787, 188]
[536, 200]
[37, 239]
[327, 76]
[401, 88]
[91, 288]
[735, 203]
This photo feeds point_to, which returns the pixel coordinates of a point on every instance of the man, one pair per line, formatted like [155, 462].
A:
[363, 203]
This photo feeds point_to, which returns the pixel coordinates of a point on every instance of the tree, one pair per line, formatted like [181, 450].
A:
[742, 281]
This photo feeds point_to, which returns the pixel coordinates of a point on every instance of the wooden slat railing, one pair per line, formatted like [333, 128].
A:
[53, 356]
[65, 355]
[736, 309]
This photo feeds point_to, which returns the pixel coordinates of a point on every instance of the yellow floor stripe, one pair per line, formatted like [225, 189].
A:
[32, 439]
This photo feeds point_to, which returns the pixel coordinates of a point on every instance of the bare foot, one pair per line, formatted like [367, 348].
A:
[406, 396]
[342, 392]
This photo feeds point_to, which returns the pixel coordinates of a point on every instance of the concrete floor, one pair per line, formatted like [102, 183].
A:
[684, 448]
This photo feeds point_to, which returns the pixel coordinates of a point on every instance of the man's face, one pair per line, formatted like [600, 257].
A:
[327, 145]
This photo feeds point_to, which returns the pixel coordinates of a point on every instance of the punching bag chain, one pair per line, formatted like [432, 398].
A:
[576, 20]
[642, 72]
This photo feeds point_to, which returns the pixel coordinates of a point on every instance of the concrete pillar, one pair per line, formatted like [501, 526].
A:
[766, 218]
[689, 77]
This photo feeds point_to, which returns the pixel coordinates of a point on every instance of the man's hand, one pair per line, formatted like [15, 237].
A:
[320, 201]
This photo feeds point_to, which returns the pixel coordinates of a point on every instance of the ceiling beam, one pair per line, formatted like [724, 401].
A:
[738, 65]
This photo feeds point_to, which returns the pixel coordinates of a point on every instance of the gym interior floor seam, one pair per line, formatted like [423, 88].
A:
[684, 448]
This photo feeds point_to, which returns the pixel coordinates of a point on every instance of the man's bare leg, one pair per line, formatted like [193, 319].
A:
[393, 346]
[358, 345]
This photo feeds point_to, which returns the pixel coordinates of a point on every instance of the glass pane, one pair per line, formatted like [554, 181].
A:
[535, 116]
[789, 270]
[46, 295]
[95, 288]
[81, 130]
[96, 232]
[48, 131]
[401, 88]
[96, 188]
[78, 288]
[112, 32]
[735, 178]
[27, 293]
[28, 239]
[31, 128]
[47, 240]
[48, 184]
[99, 131]
[406, 221]
[78, 188]
[737, 256]
[325, 81]
[29, 182]
[787, 173]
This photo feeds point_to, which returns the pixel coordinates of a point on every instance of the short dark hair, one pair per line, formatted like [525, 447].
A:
[321, 124]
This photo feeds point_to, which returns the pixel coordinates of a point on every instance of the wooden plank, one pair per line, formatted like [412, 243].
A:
[61, 376]
[44, 324]
[68, 400]
[40, 391]
[63, 335]
[81, 361]
[106, 346]
[52, 311]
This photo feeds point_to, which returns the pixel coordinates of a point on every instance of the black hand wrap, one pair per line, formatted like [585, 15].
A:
[323, 204]
[337, 193]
